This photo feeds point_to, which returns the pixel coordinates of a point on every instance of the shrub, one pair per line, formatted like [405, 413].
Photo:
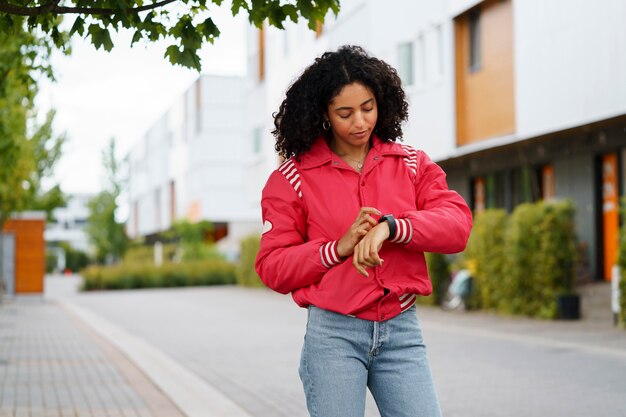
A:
[556, 259]
[521, 246]
[147, 275]
[439, 272]
[246, 275]
[75, 260]
[486, 255]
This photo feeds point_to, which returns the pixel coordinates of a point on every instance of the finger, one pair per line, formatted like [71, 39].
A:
[368, 210]
[360, 269]
[370, 220]
[365, 226]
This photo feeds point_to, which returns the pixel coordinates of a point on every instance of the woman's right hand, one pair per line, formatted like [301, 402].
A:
[363, 224]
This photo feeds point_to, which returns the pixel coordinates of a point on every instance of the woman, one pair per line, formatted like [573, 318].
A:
[347, 219]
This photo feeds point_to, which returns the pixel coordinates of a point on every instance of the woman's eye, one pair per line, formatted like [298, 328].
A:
[369, 110]
[344, 116]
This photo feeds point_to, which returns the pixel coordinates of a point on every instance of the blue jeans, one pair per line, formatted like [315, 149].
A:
[343, 355]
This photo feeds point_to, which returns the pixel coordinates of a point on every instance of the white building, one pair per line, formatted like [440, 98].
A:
[69, 222]
[189, 165]
[511, 97]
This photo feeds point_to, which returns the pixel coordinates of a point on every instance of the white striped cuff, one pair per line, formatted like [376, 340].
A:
[328, 253]
[406, 301]
[404, 231]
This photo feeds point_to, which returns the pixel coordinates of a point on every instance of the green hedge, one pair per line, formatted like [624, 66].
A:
[485, 257]
[439, 272]
[146, 275]
[556, 260]
[521, 271]
[245, 273]
[521, 263]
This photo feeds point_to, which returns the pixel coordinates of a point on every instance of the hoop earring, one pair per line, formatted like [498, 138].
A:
[326, 125]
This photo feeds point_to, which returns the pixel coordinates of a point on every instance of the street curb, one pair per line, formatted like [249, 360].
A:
[194, 396]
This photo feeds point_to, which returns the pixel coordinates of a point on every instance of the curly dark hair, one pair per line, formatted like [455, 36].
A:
[299, 119]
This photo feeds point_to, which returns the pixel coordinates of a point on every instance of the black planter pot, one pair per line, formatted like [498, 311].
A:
[568, 307]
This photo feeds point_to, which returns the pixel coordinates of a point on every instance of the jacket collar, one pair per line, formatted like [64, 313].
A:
[320, 153]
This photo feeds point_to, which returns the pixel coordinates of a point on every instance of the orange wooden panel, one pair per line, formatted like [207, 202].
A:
[485, 103]
[479, 195]
[547, 179]
[29, 254]
[610, 212]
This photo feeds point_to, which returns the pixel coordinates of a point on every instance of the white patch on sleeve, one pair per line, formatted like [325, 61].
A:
[267, 226]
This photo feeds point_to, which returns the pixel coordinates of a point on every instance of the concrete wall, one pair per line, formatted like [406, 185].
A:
[570, 61]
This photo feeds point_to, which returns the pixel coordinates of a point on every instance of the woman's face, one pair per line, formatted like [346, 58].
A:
[352, 114]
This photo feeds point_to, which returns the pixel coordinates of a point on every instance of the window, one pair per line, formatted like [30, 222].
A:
[198, 112]
[440, 50]
[474, 40]
[257, 140]
[421, 60]
[405, 62]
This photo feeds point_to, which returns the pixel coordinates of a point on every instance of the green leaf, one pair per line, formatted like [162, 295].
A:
[136, 37]
[238, 5]
[208, 29]
[187, 58]
[100, 37]
[291, 11]
[78, 26]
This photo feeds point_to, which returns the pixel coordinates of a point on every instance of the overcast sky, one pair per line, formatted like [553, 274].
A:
[120, 94]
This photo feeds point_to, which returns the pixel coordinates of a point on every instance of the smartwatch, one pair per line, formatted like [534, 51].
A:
[391, 222]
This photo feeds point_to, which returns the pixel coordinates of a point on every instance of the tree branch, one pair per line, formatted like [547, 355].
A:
[54, 8]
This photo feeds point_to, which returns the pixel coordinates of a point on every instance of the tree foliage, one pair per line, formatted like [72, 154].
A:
[28, 150]
[186, 23]
[105, 233]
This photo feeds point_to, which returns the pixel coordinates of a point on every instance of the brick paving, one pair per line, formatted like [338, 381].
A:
[53, 366]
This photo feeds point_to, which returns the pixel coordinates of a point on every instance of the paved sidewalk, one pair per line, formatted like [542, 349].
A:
[227, 351]
[53, 365]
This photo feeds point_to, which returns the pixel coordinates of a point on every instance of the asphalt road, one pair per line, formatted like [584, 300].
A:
[246, 344]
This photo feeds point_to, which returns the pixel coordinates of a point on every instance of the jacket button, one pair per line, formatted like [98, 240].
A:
[375, 158]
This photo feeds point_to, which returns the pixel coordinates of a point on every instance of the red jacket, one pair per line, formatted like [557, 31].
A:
[308, 205]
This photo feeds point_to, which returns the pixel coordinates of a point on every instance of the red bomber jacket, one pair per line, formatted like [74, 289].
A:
[308, 205]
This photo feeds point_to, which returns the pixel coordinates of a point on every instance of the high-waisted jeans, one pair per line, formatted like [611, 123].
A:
[343, 355]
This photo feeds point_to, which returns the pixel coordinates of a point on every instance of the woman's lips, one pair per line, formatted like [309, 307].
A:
[360, 134]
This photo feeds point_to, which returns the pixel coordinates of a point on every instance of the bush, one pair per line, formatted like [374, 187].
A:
[521, 246]
[246, 275]
[556, 260]
[51, 261]
[147, 275]
[439, 272]
[75, 260]
[521, 263]
[486, 254]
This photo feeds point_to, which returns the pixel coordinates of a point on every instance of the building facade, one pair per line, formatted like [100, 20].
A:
[69, 222]
[510, 97]
[189, 165]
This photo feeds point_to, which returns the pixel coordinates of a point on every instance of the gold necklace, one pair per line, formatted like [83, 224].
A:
[359, 164]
